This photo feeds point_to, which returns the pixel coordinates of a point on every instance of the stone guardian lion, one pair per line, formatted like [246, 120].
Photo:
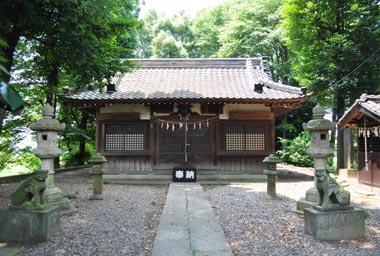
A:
[30, 195]
[331, 193]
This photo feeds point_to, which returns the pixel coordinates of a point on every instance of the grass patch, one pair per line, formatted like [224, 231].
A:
[14, 170]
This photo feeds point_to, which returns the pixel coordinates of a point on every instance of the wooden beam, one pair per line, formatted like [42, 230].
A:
[251, 115]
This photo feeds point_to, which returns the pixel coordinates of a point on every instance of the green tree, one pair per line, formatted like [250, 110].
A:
[166, 37]
[164, 45]
[294, 151]
[207, 27]
[179, 27]
[77, 40]
[145, 34]
[253, 30]
[331, 53]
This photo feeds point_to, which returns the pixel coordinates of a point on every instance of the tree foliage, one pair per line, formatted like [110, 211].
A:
[166, 37]
[207, 27]
[52, 44]
[329, 40]
[294, 151]
[164, 45]
[331, 53]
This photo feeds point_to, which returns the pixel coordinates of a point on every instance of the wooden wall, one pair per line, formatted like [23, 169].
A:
[129, 164]
[241, 165]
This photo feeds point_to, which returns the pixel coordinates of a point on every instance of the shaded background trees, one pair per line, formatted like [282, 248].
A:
[52, 44]
[334, 50]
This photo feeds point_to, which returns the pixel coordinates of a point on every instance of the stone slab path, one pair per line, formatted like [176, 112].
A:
[188, 226]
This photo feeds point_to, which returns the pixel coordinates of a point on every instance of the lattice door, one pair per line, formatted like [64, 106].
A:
[172, 146]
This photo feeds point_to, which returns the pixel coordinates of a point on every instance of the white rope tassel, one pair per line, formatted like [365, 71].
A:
[162, 125]
[167, 126]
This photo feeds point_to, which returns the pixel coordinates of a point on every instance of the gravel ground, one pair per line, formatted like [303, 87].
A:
[124, 223]
[255, 225]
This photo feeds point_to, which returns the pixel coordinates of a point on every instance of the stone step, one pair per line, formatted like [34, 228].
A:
[167, 178]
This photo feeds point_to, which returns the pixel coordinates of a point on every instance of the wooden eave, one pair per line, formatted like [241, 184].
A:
[354, 118]
[281, 105]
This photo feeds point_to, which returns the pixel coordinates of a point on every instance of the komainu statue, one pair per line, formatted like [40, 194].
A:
[30, 195]
[331, 194]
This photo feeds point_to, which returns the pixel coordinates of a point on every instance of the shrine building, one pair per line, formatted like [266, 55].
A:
[364, 116]
[217, 115]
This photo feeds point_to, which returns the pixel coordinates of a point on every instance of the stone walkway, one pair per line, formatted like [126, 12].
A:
[188, 226]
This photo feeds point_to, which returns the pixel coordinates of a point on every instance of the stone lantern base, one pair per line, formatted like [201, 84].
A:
[335, 225]
[311, 199]
[54, 198]
[26, 226]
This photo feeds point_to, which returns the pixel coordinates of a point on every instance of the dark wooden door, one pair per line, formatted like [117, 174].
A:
[369, 174]
[181, 146]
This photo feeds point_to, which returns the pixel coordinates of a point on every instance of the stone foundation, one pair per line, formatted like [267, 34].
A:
[28, 226]
[335, 225]
[302, 204]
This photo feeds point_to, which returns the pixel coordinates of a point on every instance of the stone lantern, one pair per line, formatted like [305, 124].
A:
[320, 150]
[271, 172]
[47, 150]
[319, 129]
[97, 172]
[331, 217]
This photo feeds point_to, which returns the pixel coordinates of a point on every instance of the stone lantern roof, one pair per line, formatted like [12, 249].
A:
[318, 123]
[47, 123]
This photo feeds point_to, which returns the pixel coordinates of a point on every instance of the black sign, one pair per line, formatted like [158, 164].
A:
[185, 174]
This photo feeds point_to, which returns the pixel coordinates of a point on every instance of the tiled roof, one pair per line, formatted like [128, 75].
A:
[366, 105]
[196, 79]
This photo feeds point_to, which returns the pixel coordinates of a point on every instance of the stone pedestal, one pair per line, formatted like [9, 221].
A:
[311, 199]
[24, 226]
[335, 225]
[54, 198]
[97, 162]
[271, 183]
[97, 184]
[271, 173]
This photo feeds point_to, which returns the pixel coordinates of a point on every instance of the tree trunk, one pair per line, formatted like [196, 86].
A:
[2, 115]
[82, 141]
[340, 142]
[348, 148]
[52, 84]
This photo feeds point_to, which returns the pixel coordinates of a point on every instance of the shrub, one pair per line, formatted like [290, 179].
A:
[294, 151]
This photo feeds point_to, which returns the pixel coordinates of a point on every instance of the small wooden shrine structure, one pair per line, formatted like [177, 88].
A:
[214, 114]
[364, 115]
